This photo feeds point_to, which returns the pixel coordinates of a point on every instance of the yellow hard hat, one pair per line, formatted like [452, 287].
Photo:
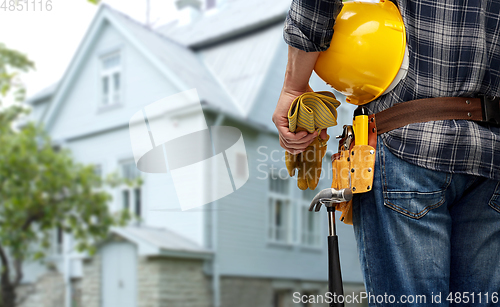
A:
[366, 52]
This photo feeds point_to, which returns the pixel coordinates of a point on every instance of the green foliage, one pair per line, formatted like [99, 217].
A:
[42, 189]
[12, 63]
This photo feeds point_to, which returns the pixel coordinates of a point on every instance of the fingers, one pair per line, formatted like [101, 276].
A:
[295, 142]
[290, 150]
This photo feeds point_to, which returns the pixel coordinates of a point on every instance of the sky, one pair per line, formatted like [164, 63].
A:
[51, 38]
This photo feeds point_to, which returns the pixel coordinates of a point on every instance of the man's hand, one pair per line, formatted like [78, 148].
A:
[298, 71]
[294, 143]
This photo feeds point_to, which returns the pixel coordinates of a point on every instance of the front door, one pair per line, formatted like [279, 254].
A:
[119, 274]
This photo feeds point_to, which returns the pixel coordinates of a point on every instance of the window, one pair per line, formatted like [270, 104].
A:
[110, 79]
[280, 298]
[280, 213]
[58, 241]
[311, 223]
[130, 170]
[312, 298]
[131, 197]
[98, 170]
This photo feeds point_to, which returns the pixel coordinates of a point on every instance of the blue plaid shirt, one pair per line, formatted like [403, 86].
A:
[454, 50]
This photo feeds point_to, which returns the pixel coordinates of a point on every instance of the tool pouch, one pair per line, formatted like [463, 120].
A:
[353, 167]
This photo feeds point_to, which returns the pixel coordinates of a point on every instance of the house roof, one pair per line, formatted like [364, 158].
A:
[180, 60]
[178, 63]
[43, 94]
[162, 242]
[242, 64]
[228, 76]
[232, 19]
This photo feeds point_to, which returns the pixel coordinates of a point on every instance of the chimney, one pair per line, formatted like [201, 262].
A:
[188, 10]
[210, 4]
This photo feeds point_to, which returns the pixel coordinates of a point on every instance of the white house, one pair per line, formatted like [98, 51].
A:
[254, 247]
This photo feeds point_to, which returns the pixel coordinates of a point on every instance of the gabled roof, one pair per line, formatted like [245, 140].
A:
[228, 75]
[179, 64]
[232, 19]
[43, 94]
[242, 64]
[162, 242]
[181, 61]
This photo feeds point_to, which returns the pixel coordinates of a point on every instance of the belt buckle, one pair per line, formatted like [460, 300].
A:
[490, 107]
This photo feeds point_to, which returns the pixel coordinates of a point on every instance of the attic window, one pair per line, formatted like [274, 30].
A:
[110, 79]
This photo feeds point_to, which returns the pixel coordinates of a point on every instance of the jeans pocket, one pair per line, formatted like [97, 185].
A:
[410, 189]
[495, 199]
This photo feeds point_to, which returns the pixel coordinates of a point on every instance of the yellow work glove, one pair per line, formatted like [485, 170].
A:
[310, 112]
[308, 163]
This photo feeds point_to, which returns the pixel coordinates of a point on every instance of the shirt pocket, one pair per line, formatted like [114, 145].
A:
[410, 189]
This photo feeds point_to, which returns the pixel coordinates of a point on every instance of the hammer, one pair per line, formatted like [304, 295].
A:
[329, 197]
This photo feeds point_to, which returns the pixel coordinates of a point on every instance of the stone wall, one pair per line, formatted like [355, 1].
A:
[47, 291]
[148, 278]
[173, 282]
[91, 282]
[250, 292]
[76, 292]
[246, 292]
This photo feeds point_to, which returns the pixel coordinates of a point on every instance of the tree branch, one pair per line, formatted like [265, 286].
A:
[18, 261]
[5, 266]
[31, 219]
[18, 266]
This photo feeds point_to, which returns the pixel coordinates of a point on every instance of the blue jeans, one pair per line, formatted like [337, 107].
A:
[428, 233]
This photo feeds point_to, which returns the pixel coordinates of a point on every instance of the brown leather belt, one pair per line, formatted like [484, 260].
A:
[484, 109]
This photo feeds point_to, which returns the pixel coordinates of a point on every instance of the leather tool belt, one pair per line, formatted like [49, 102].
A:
[482, 109]
[353, 165]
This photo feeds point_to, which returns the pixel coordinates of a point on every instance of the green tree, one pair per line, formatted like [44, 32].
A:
[12, 63]
[41, 189]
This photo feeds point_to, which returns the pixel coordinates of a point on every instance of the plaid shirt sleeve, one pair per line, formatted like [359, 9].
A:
[309, 24]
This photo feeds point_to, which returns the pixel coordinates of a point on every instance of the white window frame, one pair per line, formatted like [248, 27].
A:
[310, 238]
[114, 97]
[57, 246]
[132, 193]
[98, 170]
[285, 234]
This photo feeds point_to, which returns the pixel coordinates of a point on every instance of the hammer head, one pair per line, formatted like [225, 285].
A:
[329, 196]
